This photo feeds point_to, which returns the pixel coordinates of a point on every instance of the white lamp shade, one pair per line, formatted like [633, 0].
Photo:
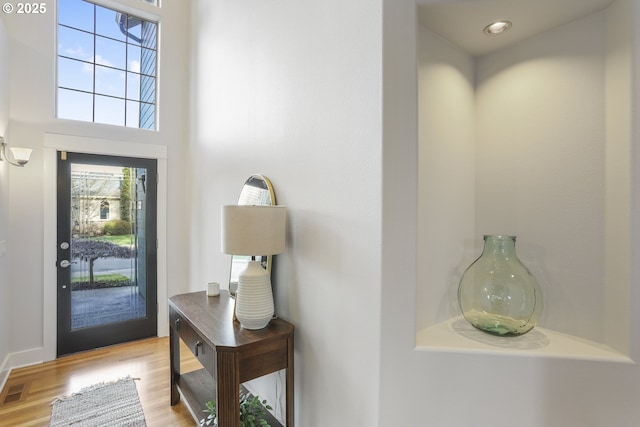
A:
[21, 155]
[253, 230]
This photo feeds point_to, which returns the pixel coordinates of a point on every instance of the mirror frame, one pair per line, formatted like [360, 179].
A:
[246, 197]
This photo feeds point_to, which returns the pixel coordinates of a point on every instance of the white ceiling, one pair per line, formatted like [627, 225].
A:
[462, 22]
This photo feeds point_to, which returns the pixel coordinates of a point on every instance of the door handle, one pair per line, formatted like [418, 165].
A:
[64, 263]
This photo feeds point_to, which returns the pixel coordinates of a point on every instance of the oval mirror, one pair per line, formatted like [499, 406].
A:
[257, 190]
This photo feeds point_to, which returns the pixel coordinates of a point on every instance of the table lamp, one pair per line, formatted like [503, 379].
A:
[253, 231]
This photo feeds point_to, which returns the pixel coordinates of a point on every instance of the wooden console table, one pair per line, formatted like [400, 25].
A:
[229, 354]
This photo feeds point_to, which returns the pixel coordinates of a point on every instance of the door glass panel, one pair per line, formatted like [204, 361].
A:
[107, 244]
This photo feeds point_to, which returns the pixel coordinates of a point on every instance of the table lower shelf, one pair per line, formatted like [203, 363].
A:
[197, 388]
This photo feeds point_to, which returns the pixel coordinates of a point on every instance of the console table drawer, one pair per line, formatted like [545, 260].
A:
[205, 354]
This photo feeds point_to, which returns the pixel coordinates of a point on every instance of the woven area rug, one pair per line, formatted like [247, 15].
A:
[114, 404]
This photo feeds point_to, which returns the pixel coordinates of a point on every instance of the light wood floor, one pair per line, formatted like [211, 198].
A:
[26, 398]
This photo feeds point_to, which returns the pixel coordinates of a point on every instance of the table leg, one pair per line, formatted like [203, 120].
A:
[228, 388]
[174, 362]
[290, 382]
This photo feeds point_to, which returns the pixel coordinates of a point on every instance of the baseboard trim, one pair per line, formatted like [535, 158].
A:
[19, 360]
[4, 376]
[4, 372]
[26, 358]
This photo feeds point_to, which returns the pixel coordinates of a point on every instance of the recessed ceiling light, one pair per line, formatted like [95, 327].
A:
[497, 27]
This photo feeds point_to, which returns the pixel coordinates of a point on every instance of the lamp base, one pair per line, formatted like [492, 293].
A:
[254, 299]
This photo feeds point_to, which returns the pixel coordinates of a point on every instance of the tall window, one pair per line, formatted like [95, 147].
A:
[104, 209]
[106, 66]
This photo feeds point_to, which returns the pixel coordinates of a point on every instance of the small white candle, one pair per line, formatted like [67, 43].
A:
[213, 289]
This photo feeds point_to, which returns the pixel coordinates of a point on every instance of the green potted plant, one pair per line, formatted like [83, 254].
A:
[251, 412]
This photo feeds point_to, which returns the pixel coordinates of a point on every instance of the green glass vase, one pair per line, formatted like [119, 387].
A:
[497, 293]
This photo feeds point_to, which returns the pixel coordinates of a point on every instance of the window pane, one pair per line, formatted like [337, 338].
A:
[109, 110]
[109, 81]
[76, 13]
[111, 53]
[74, 74]
[149, 34]
[133, 114]
[133, 58]
[104, 209]
[134, 32]
[148, 62]
[133, 86]
[75, 105]
[107, 23]
[147, 89]
[75, 44]
[147, 116]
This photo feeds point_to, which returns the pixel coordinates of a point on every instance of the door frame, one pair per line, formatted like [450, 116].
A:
[57, 142]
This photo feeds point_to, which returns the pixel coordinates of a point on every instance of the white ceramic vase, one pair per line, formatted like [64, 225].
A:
[254, 299]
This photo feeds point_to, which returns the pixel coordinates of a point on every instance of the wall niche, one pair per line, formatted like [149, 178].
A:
[528, 133]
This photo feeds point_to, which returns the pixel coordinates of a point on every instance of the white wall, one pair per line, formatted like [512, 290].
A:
[462, 388]
[446, 174]
[5, 302]
[619, 160]
[32, 50]
[291, 89]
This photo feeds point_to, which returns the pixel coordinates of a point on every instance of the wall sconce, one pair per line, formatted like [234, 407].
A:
[20, 155]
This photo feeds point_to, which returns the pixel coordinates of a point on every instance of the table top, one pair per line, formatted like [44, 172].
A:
[212, 317]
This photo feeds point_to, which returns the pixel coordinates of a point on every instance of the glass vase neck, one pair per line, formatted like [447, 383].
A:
[499, 243]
